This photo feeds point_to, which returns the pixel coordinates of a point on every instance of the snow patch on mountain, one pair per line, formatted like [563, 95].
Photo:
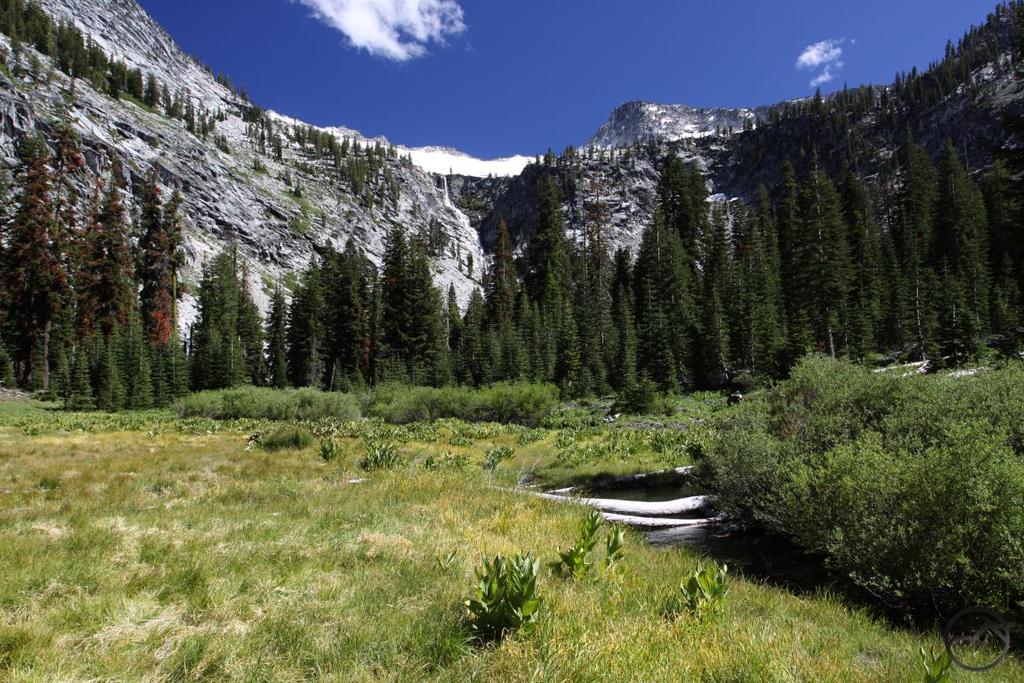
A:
[445, 161]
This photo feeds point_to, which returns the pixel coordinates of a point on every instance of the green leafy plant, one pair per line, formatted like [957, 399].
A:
[576, 561]
[701, 592]
[936, 666]
[494, 456]
[447, 561]
[330, 450]
[506, 597]
[447, 461]
[380, 455]
[613, 544]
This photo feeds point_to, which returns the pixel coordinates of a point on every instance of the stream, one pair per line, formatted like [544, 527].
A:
[752, 553]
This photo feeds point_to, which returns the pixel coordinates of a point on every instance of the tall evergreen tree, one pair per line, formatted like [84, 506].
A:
[665, 308]
[218, 357]
[959, 254]
[35, 280]
[307, 360]
[830, 271]
[912, 242]
[277, 340]
[866, 255]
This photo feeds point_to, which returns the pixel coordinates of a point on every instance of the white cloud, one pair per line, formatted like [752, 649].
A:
[829, 74]
[825, 55]
[399, 30]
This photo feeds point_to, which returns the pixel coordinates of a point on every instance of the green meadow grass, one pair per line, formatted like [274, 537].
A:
[143, 547]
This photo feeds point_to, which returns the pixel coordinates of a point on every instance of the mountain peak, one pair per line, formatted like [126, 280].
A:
[642, 121]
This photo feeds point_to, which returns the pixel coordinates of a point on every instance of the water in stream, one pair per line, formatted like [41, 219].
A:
[752, 553]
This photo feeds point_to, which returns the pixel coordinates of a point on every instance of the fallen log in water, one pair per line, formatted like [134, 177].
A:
[658, 522]
[679, 506]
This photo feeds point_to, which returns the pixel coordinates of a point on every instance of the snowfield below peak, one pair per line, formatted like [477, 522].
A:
[445, 161]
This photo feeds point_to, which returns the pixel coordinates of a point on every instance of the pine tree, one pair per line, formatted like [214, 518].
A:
[622, 371]
[682, 199]
[866, 254]
[830, 271]
[471, 363]
[412, 334]
[766, 303]
[306, 334]
[159, 261]
[501, 282]
[35, 280]
[250, 333]
[665, 308]
[453, 321]
[593, 303]
[712, 362]
[110, 391]
[218, 359]
[81, 395]
[107, 290]
[912, 242]
[277, 340]
[795, 266]
[959, 254]
[569, 370]
[135, 364]
[548, 277]
[346, 286]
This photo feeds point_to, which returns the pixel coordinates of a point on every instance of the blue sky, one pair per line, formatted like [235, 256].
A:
[496, 78]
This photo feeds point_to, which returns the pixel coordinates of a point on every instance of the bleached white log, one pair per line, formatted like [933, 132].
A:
[658, 522]
[679, 506]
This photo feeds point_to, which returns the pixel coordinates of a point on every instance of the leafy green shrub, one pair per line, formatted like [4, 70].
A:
[701, 592]
[642, 398]
[288, 438]
[506, 596]
[576, 561]
[912, 486]
[519, 403]
[330, 450]
[380, 455]
[269, 404]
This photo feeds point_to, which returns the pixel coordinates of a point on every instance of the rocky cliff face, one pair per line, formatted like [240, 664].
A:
[225, 195]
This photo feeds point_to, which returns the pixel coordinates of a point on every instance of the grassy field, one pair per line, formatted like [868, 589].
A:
[146, 547]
